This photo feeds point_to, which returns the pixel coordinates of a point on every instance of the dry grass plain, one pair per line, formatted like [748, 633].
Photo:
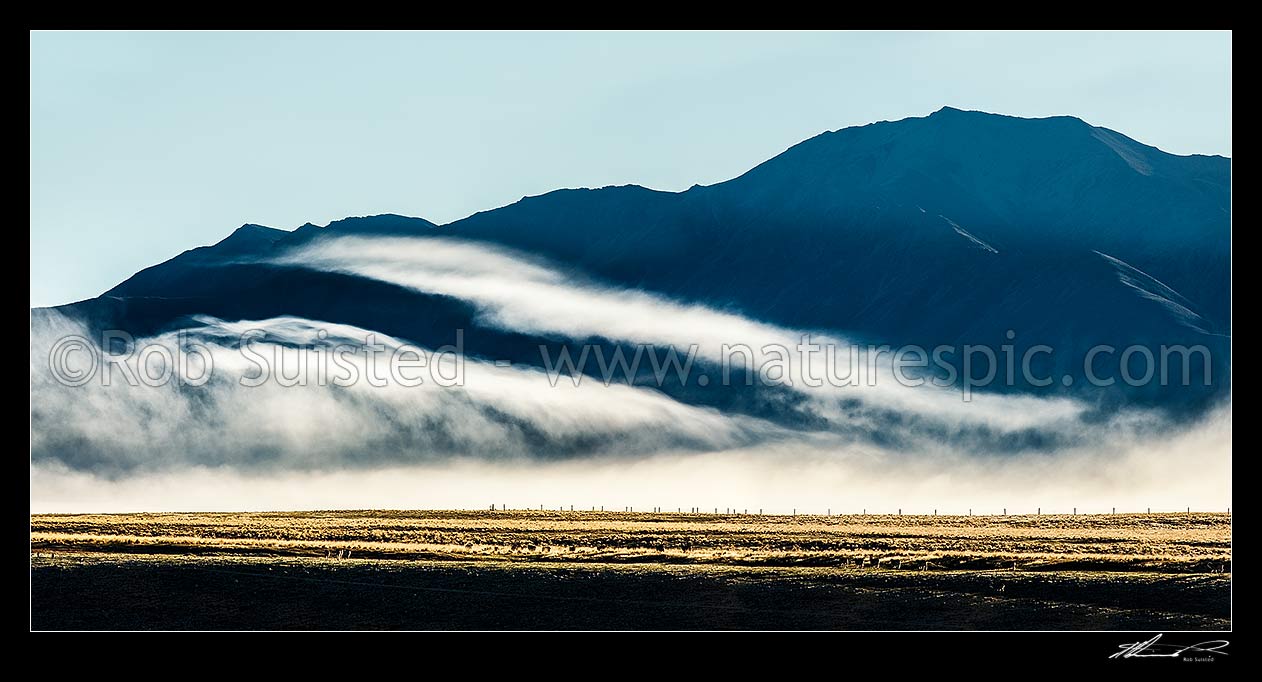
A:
[595, 570]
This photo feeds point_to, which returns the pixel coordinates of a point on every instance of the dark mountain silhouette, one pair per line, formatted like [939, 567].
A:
[948, 229]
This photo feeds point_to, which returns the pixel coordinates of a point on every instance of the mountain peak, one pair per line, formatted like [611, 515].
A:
[949, 112]
[953, 113]
[384, 223]
[249, 236]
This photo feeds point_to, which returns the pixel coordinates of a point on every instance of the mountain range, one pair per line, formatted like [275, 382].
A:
[959, 227]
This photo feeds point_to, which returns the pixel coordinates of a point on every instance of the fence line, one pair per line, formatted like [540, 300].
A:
[828, 511]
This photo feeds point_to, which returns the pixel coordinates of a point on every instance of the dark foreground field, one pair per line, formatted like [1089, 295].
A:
[551, 570]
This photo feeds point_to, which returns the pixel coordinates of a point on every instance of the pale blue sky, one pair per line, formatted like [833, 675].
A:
[147, 144]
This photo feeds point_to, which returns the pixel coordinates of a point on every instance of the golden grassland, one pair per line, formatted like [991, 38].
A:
[1171, 542]
[529, 570]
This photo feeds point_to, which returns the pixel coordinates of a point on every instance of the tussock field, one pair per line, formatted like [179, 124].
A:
[857, 572]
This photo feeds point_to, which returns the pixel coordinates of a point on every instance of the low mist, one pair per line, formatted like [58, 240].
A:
[506, 435]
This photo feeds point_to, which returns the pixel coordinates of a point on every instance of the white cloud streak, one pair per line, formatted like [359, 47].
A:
[499, 413]
[810, 474]
[508, 436]
[520, 294]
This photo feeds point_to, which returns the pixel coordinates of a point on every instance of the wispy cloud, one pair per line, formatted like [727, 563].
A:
[518, 293]
[810, 474]
[508, 435]
[498, 413]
